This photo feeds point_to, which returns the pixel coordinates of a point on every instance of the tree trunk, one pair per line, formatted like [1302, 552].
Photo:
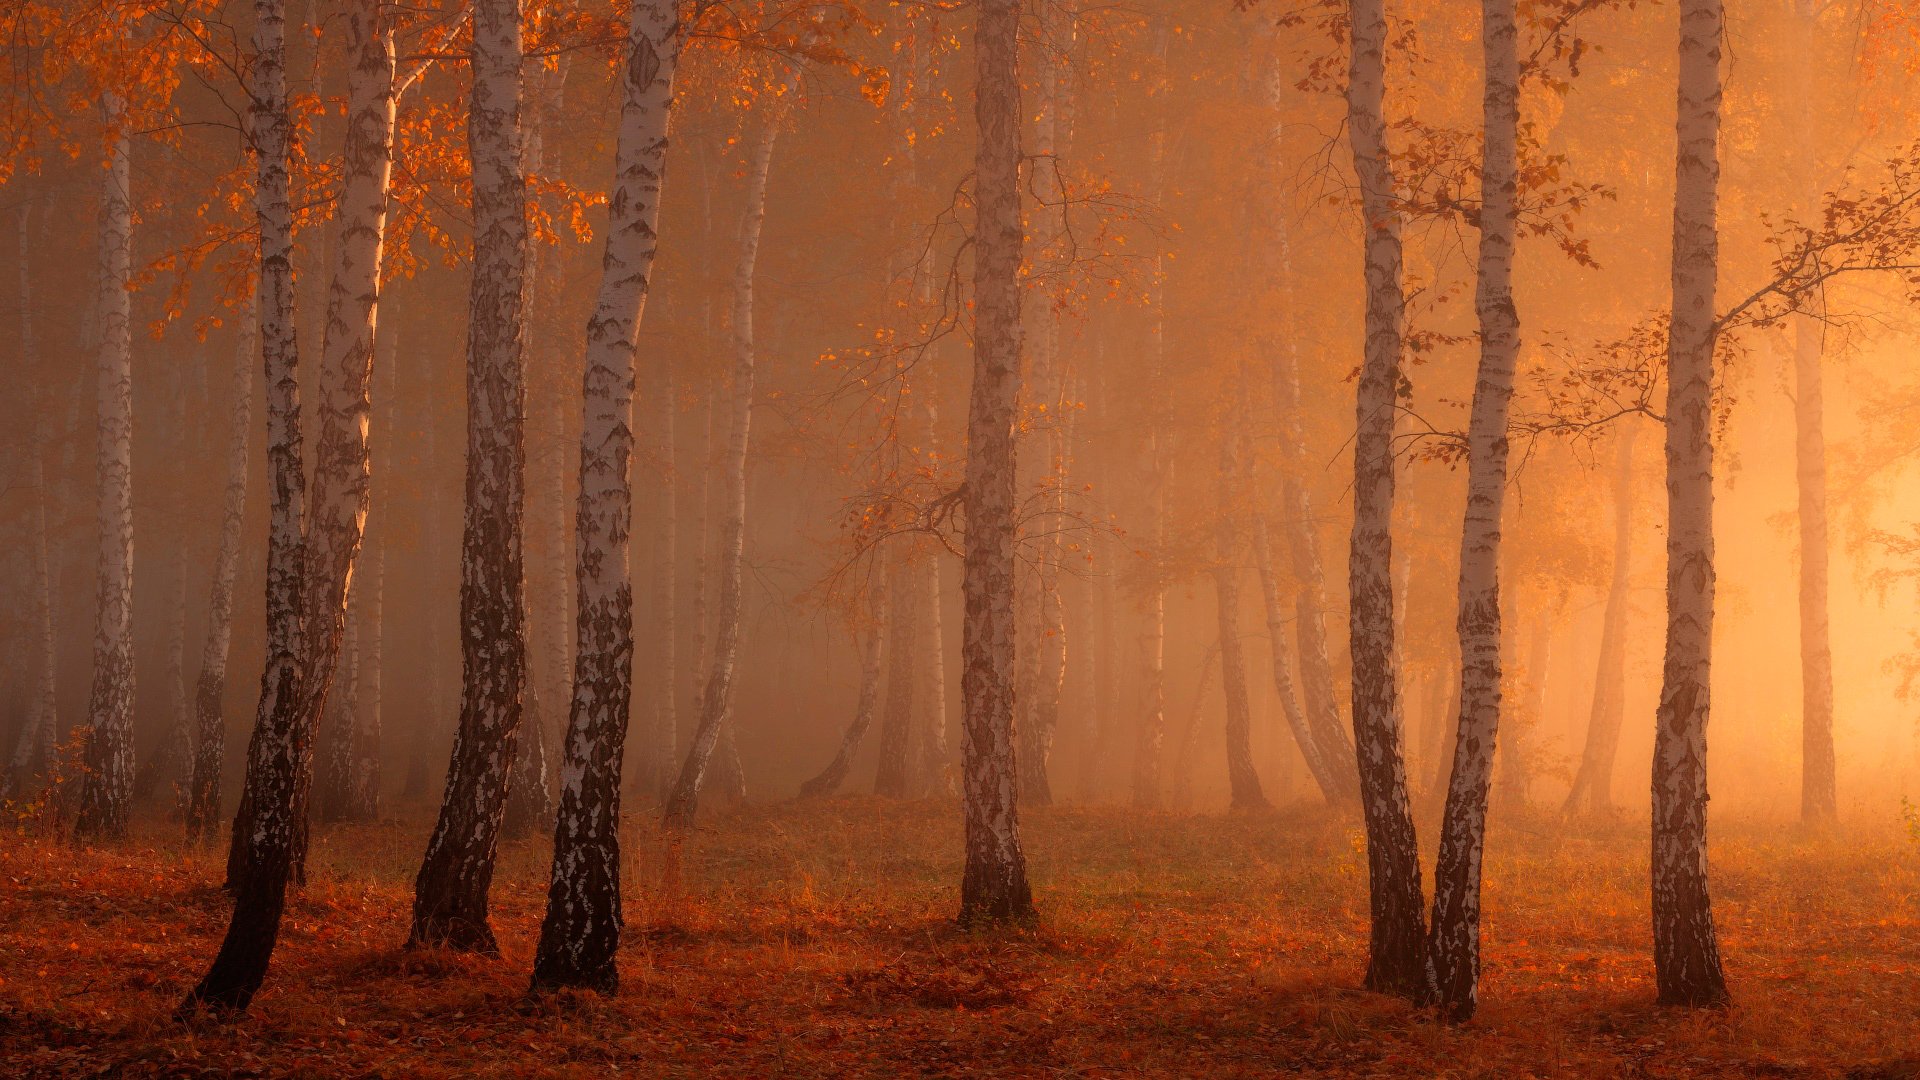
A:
[364, 790]
[1397, 955]
[894, 776]
[580, 934]
[1189, 733]
[106, 789]
[1150, 744]
[35, 748]
[830, 778]
[1686, 952]
[1455, 934]
[936, 756]
[210, 691]
[1332, 787]
[530, 797]
[1593, 782]
[266, 826]
[1243, 782]
[716, 703]
[450, 893]
[336, 737]
[994, 882]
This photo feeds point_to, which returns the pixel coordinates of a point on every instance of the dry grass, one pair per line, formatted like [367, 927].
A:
[815, 941]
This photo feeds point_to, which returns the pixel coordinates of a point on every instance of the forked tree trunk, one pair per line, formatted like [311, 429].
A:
[1455, 934]
[1243, 781]
[1397, 961]
[894, 776]
[210, 690]
[1592, 789]
[580, 934]
[1686, 951]
[450, 893]
[106, 789]
[994, 882]
[281, 740]
[716, 702]
[829, 779]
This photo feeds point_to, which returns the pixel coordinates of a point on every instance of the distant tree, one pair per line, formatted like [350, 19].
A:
[1592, 788]
[878, 619]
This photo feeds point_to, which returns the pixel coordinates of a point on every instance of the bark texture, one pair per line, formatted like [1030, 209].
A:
[580, 934]
[1397, 961]
[450, 893]
[1455, 931]
[106, 789]
[266, 828]
[1686, 951]
[994, 882]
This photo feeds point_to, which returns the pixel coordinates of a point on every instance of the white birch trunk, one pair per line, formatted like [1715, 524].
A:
[1686, 951]
[580, 934]
[107, 788]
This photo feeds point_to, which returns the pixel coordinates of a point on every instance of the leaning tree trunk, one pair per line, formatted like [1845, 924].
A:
[1243, 782]
[1331, 786]
[450, 893]
[106, 790]
[1397, 960]
[280, 737]
[41, 732]
[1686, 952]
[829, 779]
[210, 691]
[1455, 934]
[994, 882]
[580, 934]
[894, 776]
[716, 702]
[1593, 783]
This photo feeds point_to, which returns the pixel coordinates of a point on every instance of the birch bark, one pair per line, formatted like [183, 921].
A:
[1397, 955]
[450, 893]
[994, 882]
[580, 934]
[1686, 951]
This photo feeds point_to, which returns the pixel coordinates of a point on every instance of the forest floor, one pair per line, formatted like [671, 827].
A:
[816, 940]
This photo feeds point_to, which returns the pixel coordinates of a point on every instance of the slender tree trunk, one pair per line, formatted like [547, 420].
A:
[994, 882]
[1819, 794]
[364, 789]
[894, 777]
[1331, 787]
[663, 743]
[1686, 952]
[1593, 783]
[580, 935]
[716, 704]
[450, 893]
[1182, 794]
[829, 779]
[210, 690]
[936, 756]
[1397, 955]
[1243, 781]
[1150, 744]
[267, 825]
[106, 790]
[41, 732]
[1455, 940]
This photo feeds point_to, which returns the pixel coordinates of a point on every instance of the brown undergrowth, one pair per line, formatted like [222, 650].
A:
[815, 940]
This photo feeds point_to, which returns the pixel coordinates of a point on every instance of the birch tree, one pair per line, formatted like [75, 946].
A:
[716, 702]
[994, 882]
[1686, 951]
[1396, 954]
[1455, 933]
[450, 892]
[580, 934]
[872, 648]
[1592, 788]
[894, 775]
[1243, 781]
[106, 790]
[280, 744]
